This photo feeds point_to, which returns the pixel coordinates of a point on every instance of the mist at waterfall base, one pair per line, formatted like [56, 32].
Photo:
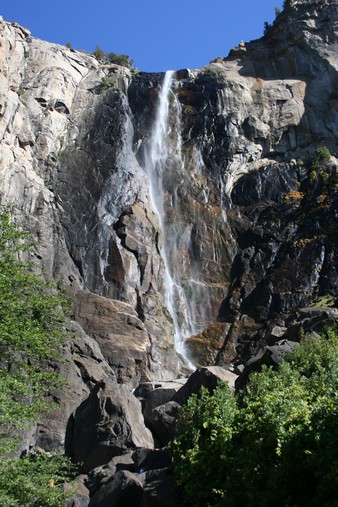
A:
[156, 35]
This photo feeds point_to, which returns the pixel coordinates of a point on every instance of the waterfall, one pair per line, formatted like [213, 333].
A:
[158, 159]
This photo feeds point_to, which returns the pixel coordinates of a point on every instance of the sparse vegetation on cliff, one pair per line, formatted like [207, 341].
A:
[123, 60]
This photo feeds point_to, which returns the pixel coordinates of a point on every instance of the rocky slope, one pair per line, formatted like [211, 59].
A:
[250, 212]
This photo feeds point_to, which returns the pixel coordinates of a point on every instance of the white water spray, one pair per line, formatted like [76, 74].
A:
[157, 158]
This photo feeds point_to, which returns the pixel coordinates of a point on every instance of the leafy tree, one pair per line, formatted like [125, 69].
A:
[32, 313]
[123, 60]
[277, 445]
[111, 57]
[206, 427]
[267, 27]
[320, 156]
[36, 480]
[99, 54]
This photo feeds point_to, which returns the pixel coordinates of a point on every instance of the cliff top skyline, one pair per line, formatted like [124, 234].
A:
[157, 36]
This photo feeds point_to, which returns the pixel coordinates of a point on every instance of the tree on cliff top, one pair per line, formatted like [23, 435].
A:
[118, 59]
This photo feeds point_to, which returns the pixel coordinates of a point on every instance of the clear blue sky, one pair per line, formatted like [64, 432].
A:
[158, 35]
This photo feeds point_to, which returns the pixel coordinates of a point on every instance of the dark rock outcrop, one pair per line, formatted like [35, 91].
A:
[106, 424]
[207, 377]
[122, 489]
[162, 421]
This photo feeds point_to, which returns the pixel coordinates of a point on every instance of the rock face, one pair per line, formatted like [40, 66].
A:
[106, 424]
[250, 199]
[68, 167]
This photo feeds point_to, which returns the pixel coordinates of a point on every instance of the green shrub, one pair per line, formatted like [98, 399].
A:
[267, 27]
[20, 90]
[206, 427]
[123, 60]
[320, 156]
[275, 444]
[99, 54]
[35, 481]
[32, 314]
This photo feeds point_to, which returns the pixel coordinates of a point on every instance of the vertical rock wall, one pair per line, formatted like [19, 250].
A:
[68, 167]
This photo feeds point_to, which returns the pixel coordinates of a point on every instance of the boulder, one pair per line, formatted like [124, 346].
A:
[310, 320]
[160, 489]
[81, 496]
[124, 489]
[151, 459]
[153, 395]
[275, 335]
[83, 367]
[204, 348]
[163, 421]
[149, 488]
[106, 424]
[100, 475]
[208, 377]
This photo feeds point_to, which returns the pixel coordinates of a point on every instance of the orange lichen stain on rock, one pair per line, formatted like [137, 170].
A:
[294, 194]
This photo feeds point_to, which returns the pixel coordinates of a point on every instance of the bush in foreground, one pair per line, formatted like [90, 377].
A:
[275, 444]
[35, 480]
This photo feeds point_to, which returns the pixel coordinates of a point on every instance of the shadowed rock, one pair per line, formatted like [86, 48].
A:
[122, 490]
[105, 425]
[162, 421]
[207, 377]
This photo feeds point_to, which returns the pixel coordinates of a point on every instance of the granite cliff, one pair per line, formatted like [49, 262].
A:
[248, 225]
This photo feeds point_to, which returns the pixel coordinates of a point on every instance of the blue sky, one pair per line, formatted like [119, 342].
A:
[157, 35]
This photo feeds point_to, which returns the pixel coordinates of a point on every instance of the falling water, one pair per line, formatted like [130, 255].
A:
[157, 159]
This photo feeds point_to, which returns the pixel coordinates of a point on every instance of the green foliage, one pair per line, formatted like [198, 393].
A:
[206, 431]
[32, 312]
[123, 60]
[68, 45]
[325, 301]
[20, 90]
[109, 82]
[267, 27]
[35, 480]
[275, 444]
[323, 176]
[320, 156]
[99, 54]
[277, 11]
